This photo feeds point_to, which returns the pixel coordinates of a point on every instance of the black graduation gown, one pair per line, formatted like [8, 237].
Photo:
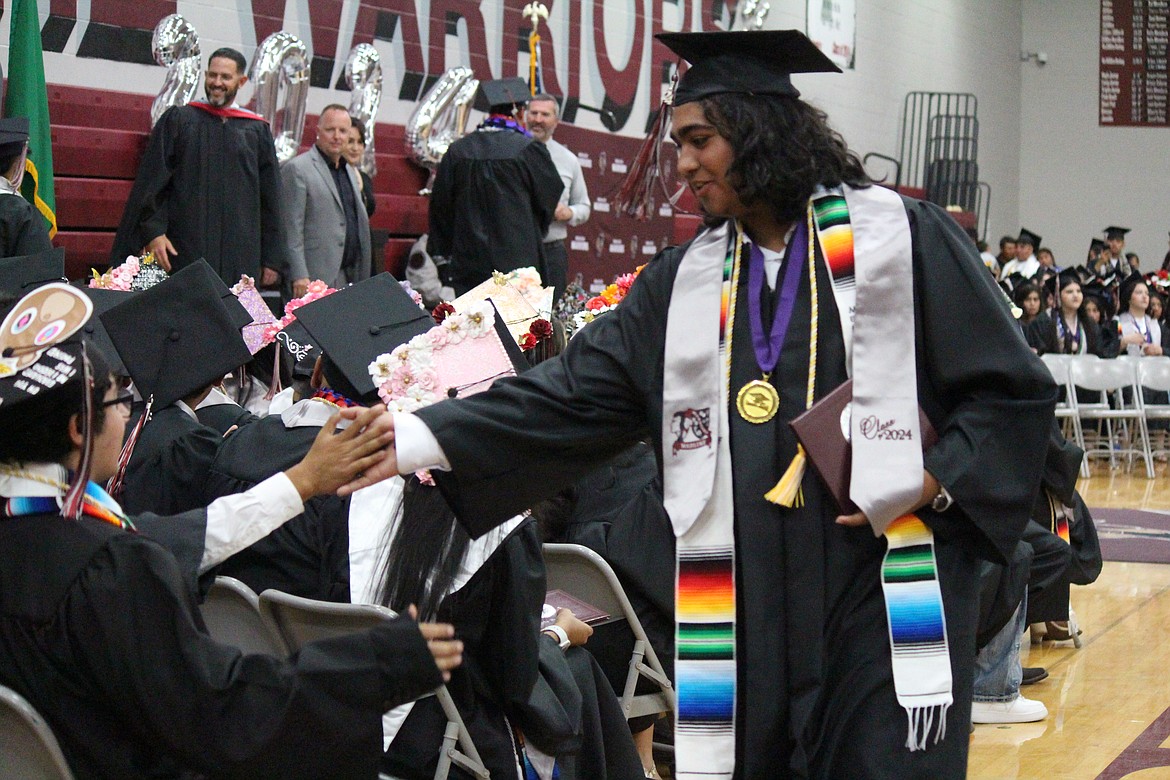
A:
[497, 615]
[815, 688]
[22, 228]
[221, 417]
[619, 515]
[213, 187]
[99, 632]
[309, 555]
[168, 469]
[494, 195]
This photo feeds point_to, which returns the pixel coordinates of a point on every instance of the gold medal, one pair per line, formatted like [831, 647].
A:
[757, 401]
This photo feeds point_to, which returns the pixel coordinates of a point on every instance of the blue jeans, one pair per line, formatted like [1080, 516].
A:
[998, 671]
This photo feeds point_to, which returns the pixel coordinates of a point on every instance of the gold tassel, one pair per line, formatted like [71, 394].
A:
[788, 492]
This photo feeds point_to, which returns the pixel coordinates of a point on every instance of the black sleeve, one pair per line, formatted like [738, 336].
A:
[441, 211]
[991, 399]
[513, 630]
[545, 184]
[316, 714]
[529, 437]
[273, 249]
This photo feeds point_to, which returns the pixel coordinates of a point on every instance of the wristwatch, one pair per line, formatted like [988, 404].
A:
[942, 502]
[558, 634]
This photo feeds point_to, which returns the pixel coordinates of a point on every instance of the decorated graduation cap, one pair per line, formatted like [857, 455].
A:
[258, 312]
[502, 93]
[178, 336]
[22, 274]
[1028, 237]
[1096, 246]
[95, 332]
[239, 314]
[515, 309]
[753, 62]
[461, 356]
[1113, 232]
[37, 359]
[355, 325]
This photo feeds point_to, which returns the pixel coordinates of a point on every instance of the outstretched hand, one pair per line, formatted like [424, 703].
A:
[384, 468]
[337, 458]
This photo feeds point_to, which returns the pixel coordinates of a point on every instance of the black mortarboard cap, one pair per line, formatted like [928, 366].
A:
[178, 336]
[13, 130]
[1028, 237]
[240, 316]
[501, 92]
[357, 324]
[1013, 280]
[1084, 274]
[297, 341]
[1115, 232]
[22, 274]
[36, 355]
[1096, 245]
[756, 62]
[95, 332]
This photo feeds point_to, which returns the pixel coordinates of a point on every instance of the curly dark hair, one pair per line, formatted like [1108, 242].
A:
[784, 148]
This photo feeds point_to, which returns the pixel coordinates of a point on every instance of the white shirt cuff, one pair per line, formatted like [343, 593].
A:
[239, 521]
[416, 447]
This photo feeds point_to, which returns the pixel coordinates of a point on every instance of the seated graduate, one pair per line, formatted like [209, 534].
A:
[99, 629]
[491, 588]
[1067, 328]
[23, 231]
[313, 555]
[177, 339]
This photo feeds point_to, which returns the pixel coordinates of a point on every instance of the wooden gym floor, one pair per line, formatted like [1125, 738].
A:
[1108, 702]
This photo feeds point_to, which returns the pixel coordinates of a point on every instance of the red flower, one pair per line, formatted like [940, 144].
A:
[596, 303]
[527, 341]
[442, 311]
[541, 329]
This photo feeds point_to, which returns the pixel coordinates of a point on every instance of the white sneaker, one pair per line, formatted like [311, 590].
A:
[1018, 710]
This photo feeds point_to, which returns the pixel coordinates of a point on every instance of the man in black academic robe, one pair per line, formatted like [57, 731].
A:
[494, 196]
[805, 584]
[208, 187]
[22, 228]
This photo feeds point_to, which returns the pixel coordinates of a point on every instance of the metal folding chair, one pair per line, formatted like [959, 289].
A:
[299, 620]
[584, 574]
[1111, 379]
[28, 749]
[231, 613]
[1066, 410]
[1154, 374]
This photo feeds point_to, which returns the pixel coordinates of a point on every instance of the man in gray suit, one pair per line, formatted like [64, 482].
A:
[328, 230]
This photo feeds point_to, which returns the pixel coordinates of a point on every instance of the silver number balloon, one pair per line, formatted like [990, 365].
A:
[363, 74]
[280, 73]
[441, 116]
[175, 46]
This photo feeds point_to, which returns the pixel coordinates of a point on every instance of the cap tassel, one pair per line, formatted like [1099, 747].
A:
[788, 492]
[274, 386]
[74, 501]
[637, 192]
[114, 486]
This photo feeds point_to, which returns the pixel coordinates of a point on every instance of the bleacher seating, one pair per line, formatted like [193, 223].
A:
[99, 137]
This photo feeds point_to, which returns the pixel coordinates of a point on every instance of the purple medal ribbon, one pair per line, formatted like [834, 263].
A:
[768, 347]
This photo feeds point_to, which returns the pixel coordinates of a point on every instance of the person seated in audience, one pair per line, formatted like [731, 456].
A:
[178, 340]
[1094, 306]
[1027, 299]
[1047, 258]
[99, 628]
[1067, 330]
[23, 230]
[1135, 262]
[1007, 253]
[1140, 334]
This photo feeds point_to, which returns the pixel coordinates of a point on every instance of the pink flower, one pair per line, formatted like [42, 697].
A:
[596, 303]
[438, 337]
[401, 378]
[268, 334]
[317, 287]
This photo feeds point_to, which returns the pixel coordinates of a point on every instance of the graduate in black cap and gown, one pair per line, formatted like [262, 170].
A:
[787, 663]
[22, 228]
[1112, 261]
[1066, 329]
[99, 628]
[177, 339]
[495, 193]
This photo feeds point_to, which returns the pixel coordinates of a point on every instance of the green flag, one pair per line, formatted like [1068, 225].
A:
[27, 96]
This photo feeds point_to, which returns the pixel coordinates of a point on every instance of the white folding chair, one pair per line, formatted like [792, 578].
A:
[231, 613]
[584, 574]
[28, 749]
[1111, 379]
[1066, 410]
[1154, 374]
[299, 620]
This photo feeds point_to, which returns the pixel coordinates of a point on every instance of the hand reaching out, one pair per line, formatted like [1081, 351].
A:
[384, 468]
[337, 458]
